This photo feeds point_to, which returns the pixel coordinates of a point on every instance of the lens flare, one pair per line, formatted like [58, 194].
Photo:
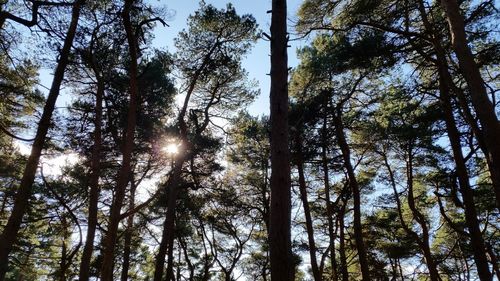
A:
[171, 148]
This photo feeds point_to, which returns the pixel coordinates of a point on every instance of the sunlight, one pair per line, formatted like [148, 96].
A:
[171, 148]
[54, 165]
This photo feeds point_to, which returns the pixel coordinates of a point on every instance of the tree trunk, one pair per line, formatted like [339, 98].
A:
[494, 261]
[326, 182]
[128, 234]
[423, 242]
[168, 234]
[125, 170]
[282, 268]
[446, 84]
[183, 246]
[478, 246]
[307, 211]
[9, 234]
[420, 219]
[353, 183]
[343, 256]
[64, 251]
[484, 108]
[2, 18]
[84, 271]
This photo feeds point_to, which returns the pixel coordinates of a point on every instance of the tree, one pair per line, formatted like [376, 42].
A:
[280, 210]
[484, 108]
[214, 78]
[9, 233]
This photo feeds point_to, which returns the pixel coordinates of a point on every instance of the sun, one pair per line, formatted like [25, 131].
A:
[171, 148]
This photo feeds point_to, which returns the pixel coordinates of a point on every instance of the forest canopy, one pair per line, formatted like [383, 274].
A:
[377, 156]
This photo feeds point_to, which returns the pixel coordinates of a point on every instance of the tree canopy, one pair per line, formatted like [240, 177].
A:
[378, 157]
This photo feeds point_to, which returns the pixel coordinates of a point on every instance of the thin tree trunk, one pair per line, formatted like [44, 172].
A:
[329, 206]
[88, 249]
[178, 271]
[128, 234]
[282, 268]
[343, 258]
[393, 269]
[424, 247]
[353, 183]
[401, 270]
[125, 170]
[190, 266]
[484, 108]
[494, 261]
[476, 131]
[168, 234]
[420, 219]
[9, 234]
[64, 251]
[2, 18]
[307, 211]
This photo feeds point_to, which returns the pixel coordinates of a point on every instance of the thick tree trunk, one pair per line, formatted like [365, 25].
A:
[9, 234]
[282, 268]
[485, 110]
[307, 211]
[128, 145]
[88, 249]
[353, 183]
[478, 245]
[446, 84]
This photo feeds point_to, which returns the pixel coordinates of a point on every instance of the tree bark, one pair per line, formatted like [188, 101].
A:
[446, 85]
[493, 260]
[282, 268]
[478, 245]
[9, 234]
[353, 183]
[127, 245]
[307, 211]
[128, 145]
[420, 219]
[484, 108]
[326, 182]
[168, 233]
[424, 247]
[88, 249]
[343, 256]
[63, 263]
